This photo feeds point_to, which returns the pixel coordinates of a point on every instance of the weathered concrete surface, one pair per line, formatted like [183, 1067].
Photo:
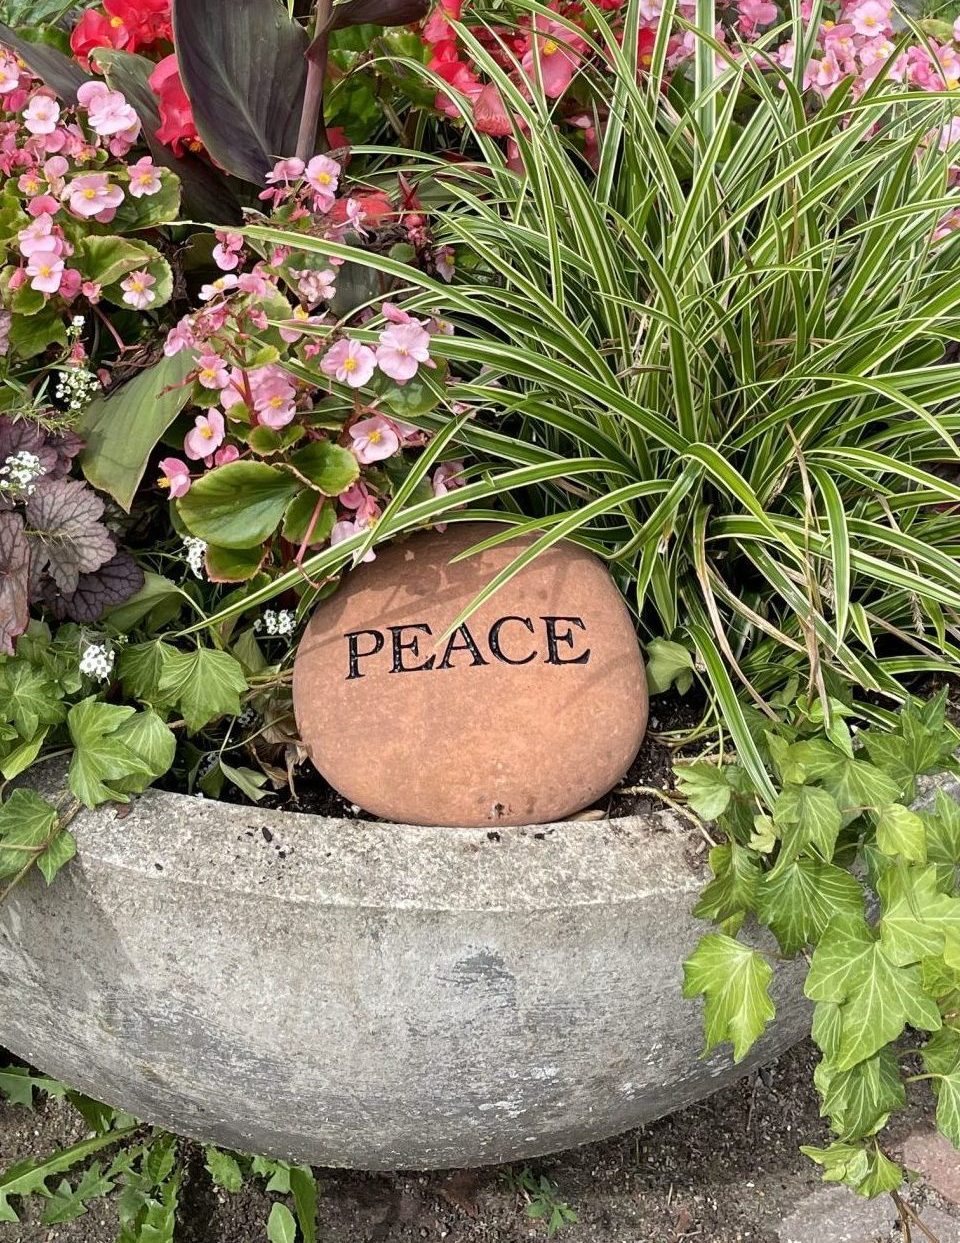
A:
[368, 995]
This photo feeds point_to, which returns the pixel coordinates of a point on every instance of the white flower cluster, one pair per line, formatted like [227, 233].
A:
[194, 550]
[75, 387]
[281, 624]
[19, 473]
[97, 662]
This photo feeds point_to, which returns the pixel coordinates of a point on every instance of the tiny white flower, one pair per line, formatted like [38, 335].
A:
[97, 662]
[194, 550]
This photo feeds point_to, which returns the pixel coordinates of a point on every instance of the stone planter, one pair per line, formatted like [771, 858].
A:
[368, 995]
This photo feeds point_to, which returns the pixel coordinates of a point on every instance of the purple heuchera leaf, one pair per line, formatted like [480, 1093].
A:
[116, 581]
[56, 450]
[14, 574]
[66, 536]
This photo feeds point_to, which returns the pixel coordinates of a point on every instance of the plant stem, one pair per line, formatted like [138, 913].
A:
[311, 119]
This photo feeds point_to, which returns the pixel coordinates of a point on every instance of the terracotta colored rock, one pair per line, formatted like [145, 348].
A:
[527, 713]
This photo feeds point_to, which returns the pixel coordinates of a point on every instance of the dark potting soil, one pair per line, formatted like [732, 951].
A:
[652, 770]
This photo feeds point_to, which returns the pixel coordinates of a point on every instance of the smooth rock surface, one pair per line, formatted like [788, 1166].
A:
[531, 710]
[369, 995]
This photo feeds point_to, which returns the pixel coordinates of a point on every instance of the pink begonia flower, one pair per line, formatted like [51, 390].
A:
[43, 204]
[447, 478]
[226, 253]
[349, 362]
[870, 18]
[374, 439]
[176, 476]
[274, 397]
[314, 286]
[291, 334]
[322, 175]
[9, 74]
[256, 283]
[402, 348]
[223, 284]
[396, 314]
[70, 284]
[144, 178]
[225, 455]
[754, 13]
[138, 291]
[489, 114]
[41, 114]
[93, 196]
[560, 53]
[205, 436]
[91, 291]
[212, 371]
[108, 112]
[355, 214]
[180, 337]
[444, 259]
[345, 529]
[29, 183]
[286, 170]
[38, 236]
[359, 498]
[46, 269]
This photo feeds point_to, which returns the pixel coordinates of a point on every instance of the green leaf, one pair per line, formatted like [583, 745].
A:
[107, 260]
[122, 429]
[233, 565]
[941, 1058]
[276, 1172]
[28, 826]
[734, 885]
[140, 667]
[60, 851]
[812, 817]
[30, 698]
[29, 1177]
[943, 838]
[204, 684]
[799, 901]
[734, 981]
[859, 1101]
[223, 1169]
[668, 664]
[901, 831]
[157, 602]
[281, 1227]
[297, 517]
[877, 996]
[304, 1187]
[866, 1170]
[329, 467]
[246, 779]
[238, 505]
[705, 787]
[20, 758]
[100, 753]
[917, 917]
[855, 784]
[68, 1203]
[18, 1085]
[148, 737]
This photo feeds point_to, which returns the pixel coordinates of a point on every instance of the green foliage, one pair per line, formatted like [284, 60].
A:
[878, 967]
[223, 1169]
[118, 751]
[542, 1199]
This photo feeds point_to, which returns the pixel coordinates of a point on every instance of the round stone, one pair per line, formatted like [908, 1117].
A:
[526, 713]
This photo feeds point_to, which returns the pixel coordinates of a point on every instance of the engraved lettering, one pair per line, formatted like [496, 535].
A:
[462, 641]
[554, 638]
[355, 654]
[413, 646]
[494, 641]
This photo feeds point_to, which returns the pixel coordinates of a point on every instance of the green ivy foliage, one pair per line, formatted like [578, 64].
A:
[846, 868]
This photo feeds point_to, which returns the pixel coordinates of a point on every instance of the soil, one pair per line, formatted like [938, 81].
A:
[727, 1170]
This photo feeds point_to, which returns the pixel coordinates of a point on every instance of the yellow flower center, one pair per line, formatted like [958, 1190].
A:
[207, 373]
[324, 178]
[275, 403]
[89, 193]
[375, 437]
[206, 433]
[869, 20]
[549, 47]
[45, 269]
[349, 364]
[163, 482]
[116, 22]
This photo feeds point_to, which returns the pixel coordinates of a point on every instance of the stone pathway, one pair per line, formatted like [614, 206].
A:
[726, 1171]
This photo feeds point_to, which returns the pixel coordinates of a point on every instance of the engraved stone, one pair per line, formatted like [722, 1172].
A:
[527, 712]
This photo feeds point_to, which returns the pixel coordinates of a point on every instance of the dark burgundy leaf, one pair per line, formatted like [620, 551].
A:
[66, 535]
[14, 572]
[244, 70]
[377, 13]
[112, 584]
[207, 193]
[54, 69]
[56, 450]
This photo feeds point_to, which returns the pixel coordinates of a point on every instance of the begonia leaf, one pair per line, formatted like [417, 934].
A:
[66, 536]
[330, 467]
[238, 505]
[14, 580]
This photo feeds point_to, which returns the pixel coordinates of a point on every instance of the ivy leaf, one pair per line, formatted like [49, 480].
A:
[100, 753]
[140, 667]
[859, 1101]
[736, 874]
[941, 1057]
[901, 831]
[28, 826]
[809, 816]
[147, 736]
[65, 533]
[60, 851]
[734, 981]
[799, 901]
[866, 1170]
[14, 577]
[668, 664]
[855, 784]
[223, 1169]
[942, 827]
[877, 996]
[29, 697]
[917, 917]
[281, 1227]
[204, 683]
[705, 787]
